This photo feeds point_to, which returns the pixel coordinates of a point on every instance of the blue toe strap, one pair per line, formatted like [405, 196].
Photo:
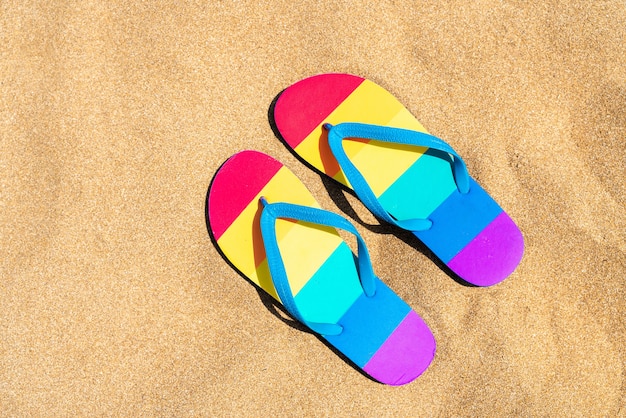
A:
[336, 135]
[269, 214]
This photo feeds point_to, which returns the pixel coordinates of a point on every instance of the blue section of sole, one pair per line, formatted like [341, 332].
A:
[422, 188]
[458, 220]
[368, 323]
[332, 290]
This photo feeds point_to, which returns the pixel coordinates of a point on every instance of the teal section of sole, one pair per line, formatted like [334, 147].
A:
[332, 290]
[422, 188]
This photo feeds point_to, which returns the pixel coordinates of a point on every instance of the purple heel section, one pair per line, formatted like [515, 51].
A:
[411, 343]
[500, 246]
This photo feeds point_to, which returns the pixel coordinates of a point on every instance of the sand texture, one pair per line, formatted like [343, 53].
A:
[115, 115]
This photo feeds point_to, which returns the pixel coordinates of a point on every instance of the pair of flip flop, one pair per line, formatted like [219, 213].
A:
[269, 226]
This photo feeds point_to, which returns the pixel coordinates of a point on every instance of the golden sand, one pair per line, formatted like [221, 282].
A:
[114, 116]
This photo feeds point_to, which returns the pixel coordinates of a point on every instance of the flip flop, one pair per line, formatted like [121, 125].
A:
[356, 132]
[268, 225]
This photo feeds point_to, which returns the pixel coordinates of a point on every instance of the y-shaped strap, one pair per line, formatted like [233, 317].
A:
[270, 213]
[336, 135]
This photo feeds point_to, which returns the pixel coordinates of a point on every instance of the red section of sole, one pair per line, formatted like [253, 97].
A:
[236, 183]
[305, 104]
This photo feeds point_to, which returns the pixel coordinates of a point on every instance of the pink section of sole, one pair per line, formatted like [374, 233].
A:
[236, 183]
[304, 105]
[405, 354]
[492, 255]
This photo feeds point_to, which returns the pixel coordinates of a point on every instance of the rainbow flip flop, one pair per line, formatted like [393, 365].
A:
[268, 225]
[359, 134]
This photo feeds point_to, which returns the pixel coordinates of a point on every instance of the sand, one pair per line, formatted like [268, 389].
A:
[114, 116]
